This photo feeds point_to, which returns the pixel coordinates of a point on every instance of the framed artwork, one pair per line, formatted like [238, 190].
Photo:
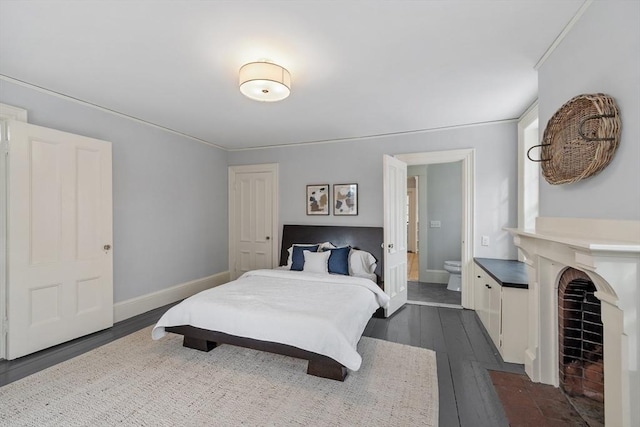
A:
[318, 199]
[345, 199]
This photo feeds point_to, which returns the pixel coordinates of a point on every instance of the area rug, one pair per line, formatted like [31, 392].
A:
[138, 381]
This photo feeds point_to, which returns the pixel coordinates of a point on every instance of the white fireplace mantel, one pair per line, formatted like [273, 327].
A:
[608, 251]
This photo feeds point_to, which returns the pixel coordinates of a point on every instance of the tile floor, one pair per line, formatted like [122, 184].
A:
[433, 293]
[527, 403]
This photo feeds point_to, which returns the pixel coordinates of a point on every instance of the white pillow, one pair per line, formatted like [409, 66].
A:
[361, 263]
[290, 250]
[316, 262]
[321, 247]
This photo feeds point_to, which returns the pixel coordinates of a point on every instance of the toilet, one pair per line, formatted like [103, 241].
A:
[455, 275]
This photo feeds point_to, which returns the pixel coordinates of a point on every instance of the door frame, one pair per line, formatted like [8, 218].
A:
[528, 172]
[467, 156]
[275, 241]
[412, 238]
[7, 112]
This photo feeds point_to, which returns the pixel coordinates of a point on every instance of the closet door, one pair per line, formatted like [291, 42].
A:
[253, 201]
[60, 261]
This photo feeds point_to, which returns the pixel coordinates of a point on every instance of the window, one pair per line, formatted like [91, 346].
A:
[528, 171]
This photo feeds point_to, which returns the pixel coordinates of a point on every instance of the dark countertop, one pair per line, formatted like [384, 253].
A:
[509, 273]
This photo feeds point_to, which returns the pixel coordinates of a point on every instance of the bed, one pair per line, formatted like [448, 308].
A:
[307, 314]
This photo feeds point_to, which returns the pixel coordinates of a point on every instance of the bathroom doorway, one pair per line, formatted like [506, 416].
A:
[435, 228]
[412, 228]
[435, 277]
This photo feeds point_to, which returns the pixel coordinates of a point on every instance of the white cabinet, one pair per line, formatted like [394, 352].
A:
[504, 314]
[495, 318]
[482, 295]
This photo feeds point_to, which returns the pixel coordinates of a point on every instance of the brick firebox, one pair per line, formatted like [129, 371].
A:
[580, 333]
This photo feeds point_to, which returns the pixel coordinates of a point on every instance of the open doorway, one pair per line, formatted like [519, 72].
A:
[412, 229]
[464, 159]
[435, 267]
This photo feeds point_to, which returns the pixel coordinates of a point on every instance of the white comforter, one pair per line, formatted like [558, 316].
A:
[321, 313]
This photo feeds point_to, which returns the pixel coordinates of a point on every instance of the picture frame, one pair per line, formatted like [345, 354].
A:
[345, 199]
[318, 200]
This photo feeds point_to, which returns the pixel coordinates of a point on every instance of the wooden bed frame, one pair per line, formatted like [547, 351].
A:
[366, 238]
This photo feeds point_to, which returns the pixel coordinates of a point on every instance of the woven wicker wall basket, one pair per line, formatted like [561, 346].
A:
[580, 139]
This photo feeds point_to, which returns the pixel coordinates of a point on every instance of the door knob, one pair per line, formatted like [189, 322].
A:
[106, 247]
[390, 245]
[268, 238]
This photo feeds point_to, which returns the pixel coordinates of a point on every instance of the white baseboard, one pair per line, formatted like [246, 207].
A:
[138, 305]
[436, 276]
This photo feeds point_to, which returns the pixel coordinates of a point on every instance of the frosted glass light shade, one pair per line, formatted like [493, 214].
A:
[264, 81]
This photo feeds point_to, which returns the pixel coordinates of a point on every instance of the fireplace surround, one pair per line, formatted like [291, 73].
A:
[606, 253]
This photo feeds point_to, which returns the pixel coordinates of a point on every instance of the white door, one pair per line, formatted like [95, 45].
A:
[395, 232]
[60, 262]
[252, 218]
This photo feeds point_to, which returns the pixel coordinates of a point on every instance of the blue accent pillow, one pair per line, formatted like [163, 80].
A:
[297, 256]
[339, 260]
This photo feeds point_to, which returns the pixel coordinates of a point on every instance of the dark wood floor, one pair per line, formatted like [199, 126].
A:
[464, 353]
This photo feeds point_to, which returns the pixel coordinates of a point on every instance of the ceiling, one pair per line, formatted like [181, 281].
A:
[358, 68]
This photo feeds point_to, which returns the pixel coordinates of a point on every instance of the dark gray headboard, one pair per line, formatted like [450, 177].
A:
[368, 239]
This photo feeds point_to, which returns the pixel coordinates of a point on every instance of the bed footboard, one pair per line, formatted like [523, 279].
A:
[198, 343]
[205, 340]
[326, 367]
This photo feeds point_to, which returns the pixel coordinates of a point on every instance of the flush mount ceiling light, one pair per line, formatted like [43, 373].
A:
[265, 81]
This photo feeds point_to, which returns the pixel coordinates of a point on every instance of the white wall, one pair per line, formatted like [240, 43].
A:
[601, 53]
[169, 194]
[361, 162]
